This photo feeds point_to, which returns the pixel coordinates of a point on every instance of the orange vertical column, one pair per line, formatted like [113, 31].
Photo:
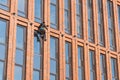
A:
[46, 50]
[85, 36]
[61, 46]
[14, 37]
[73, 39]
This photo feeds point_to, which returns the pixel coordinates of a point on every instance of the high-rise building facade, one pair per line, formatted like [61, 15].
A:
[82, 40]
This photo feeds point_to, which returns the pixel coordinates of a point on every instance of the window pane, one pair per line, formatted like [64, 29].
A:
[103, 66]
[92, 76]
[67, 70]
[22, 5]
[53, 58]
[80, 64]
[53, 47]
[4, 4]
[53, 66]
[80, 74]
[20, 37]
[67, 52]
[111, 25]
[92, 65]
[53, 16]
[38, 10]
[2, 52]
[19, 57]
[66, 4]
[80, 56]
[114, 69]
[52, 77]
[90, 22]
[1, 70]
[18, 73]
[68, 59]
[36, 75]
[3, 25]
[53, 1]
[67, 16]
[119, 17]
[66, 22]
[37, 62]
[100, 23]
[36, 46]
